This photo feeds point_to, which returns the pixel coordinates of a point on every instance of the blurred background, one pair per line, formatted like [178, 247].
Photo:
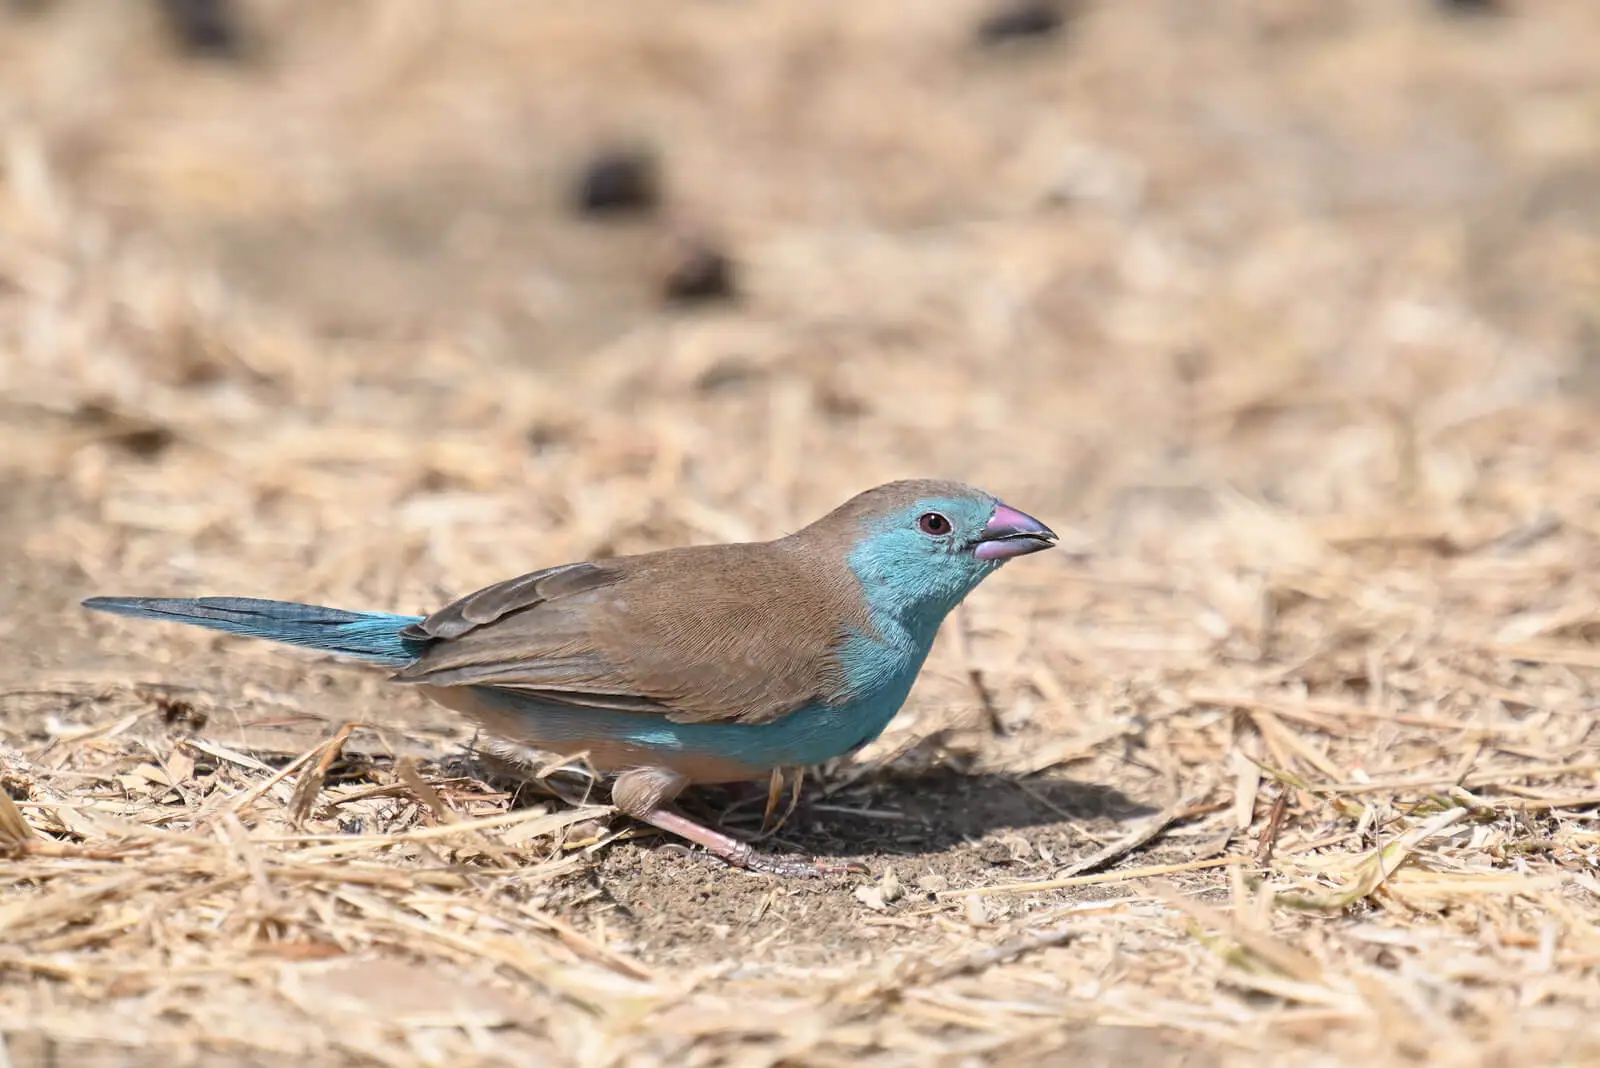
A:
[378, 301]
[1285, 313]
[291, 284]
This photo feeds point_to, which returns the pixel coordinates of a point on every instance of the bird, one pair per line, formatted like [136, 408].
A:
[684, 666]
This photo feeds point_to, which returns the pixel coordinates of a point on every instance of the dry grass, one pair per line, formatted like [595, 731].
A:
[1285, 311]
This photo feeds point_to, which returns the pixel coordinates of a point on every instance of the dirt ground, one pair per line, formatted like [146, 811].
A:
[1284, 313]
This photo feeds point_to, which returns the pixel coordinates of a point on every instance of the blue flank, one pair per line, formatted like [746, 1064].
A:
[910, 580]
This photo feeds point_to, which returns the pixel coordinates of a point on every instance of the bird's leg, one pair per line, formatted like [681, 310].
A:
[646, 794]
[774, 790]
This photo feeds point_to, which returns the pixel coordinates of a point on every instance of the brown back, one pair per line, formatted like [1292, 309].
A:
[729, 632]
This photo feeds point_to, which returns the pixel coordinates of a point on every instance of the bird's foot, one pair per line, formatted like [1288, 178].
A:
[742, 854]
[794, 867]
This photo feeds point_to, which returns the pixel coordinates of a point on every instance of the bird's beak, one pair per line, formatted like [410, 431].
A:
[1010, 533]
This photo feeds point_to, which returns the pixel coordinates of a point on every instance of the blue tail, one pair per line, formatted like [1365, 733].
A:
[373, 636]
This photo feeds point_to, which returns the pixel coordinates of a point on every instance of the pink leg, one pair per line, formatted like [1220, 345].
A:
[645, 793]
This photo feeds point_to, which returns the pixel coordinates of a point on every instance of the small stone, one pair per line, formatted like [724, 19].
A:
[619, 181]
[1019, 21]
[1018, 847]
[546, 436]
[871, 897]
[1470, 7]
[203, 27]
[138, 436]
[699, 272]
[145, 442]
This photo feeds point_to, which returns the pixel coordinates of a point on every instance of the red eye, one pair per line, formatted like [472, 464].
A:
[933, 523]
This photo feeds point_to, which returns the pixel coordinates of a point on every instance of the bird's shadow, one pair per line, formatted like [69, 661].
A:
[925, 802]
[903, 809]
[918, 811]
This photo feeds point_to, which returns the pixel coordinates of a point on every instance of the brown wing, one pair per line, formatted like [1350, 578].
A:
[513, 595]
[737, 633]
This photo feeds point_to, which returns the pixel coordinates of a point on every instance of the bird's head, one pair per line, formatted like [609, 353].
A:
[919, 547]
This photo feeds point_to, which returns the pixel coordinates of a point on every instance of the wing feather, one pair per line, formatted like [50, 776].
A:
[689, 634]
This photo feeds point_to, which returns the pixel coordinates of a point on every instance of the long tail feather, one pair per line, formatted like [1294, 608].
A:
[373, 636]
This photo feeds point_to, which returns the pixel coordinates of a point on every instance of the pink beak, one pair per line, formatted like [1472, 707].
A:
[1011, 533]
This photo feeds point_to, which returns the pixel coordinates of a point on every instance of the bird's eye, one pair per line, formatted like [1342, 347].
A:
[934, 524]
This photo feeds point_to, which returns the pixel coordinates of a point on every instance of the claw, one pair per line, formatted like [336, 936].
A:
[795, 867]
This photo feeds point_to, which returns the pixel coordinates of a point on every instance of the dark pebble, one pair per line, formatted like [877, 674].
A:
[176, 712]
[619, 181]
[140, 437]
[545, 436]
[145, 442]
[1470, 7]
[700, 272]
[1019, 21]
[204, 27]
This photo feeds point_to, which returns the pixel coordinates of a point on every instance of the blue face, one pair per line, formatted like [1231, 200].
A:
[918, 563]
